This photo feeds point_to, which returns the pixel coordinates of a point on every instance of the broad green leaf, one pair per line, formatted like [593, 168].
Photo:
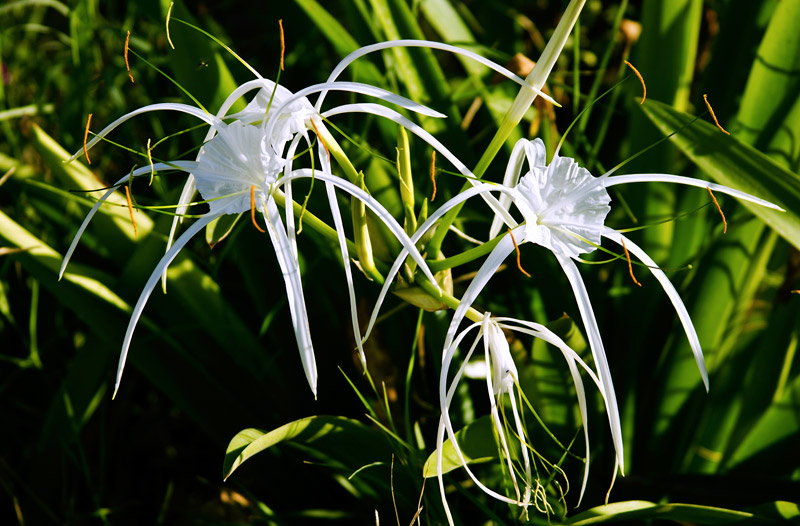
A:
[476, 441]
[735, 164]
[333, 436]
[639, 510]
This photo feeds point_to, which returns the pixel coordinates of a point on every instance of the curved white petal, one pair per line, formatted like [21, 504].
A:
[150, 285]
[672, 294]
[168, 106]
[598, 352]
[294, 291]
[145, 170]
[388, 113]
[346, 61]
[689, 181]
[510, 180]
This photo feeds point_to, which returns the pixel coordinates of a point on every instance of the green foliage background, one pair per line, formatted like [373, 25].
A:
[216, 355]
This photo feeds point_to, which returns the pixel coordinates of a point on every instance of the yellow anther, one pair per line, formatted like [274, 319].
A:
[630, 264]
[713, 116]
[719, 209]
[130, 210]
[85, 136]
[641, 79]
[253, 209]
[313, 125]
[433, 174]
[125, 54]
[516, 248]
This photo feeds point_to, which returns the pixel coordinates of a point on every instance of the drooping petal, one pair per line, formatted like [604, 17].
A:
[294, 291]
[672, 294]
[598, 352]
[150, 285]
[689, 181]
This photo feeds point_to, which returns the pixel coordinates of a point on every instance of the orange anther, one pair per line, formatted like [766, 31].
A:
[719, 209]
[630, 264]
[283, 44]
[516, 248]
[130, 210]
[713, 116]
[253, 209]
[127, 65]
[641, 79]
[85, 136]
[433, 174]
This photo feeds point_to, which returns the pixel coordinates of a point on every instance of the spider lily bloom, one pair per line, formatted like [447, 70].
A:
[501, 380]
[564, 209]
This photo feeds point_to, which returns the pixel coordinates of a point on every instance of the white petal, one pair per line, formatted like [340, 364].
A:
[673, 295]
[150, 285]
[346, 61]
[598, 352]
[161, 167]
[689, 181]
[294, 292]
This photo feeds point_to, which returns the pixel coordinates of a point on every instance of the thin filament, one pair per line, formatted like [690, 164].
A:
[130, 210]
[169, 12]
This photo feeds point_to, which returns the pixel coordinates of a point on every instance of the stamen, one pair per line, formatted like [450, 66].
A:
[150, 158]
[169, 13]
[253, 209]
[86, 136]
[794, 291]
[630, 264]
[130, 209]
[719, 209]
[516, 248]
[125, 54]
[433, 174]
[320, 139]
[713, 116]
[283, 44]
[641, 79]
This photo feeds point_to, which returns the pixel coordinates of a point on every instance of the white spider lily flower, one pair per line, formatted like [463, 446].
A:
[239, 161]
[564, 209]
[501, 380]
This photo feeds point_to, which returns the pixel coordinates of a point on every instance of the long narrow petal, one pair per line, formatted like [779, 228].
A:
[150, 285]
[510, 180]
[294, 291]
[346, 61]
[598, 352]
[672, 294]
[167, 106]
[689, 181]
[161, 167]
[388, 113]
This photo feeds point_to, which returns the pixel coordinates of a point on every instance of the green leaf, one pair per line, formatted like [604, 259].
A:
[735, 164]
[637, 510]
[476, 441]
[335, 437]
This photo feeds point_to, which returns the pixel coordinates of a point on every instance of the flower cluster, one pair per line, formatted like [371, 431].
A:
[248, 162]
